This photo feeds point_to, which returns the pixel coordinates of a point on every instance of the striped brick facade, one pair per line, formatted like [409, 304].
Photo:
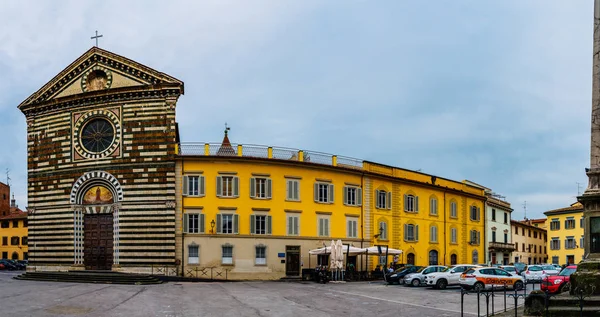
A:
[139, 168]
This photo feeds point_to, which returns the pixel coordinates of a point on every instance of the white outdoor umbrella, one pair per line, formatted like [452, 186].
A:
[339, 254]
[332, 255]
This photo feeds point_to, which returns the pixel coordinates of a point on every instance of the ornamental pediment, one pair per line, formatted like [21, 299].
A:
[98, 71]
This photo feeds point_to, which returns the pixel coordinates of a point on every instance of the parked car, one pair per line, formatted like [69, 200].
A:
[418, 278]
[448, 277]
[520, 266]
[7, 265]
[480, 278]
[549, 270]
[558, 267]
[559, 283]
[18, 265]
[510, 269]
[533, 273]
[1, 266]
[24, 262]
[398, 275]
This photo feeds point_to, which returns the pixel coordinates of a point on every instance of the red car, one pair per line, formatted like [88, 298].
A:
[558, 283]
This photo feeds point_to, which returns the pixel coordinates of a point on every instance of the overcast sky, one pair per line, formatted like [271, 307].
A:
[496, 92]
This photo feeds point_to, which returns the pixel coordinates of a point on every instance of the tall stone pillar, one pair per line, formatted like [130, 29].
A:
[588, 271]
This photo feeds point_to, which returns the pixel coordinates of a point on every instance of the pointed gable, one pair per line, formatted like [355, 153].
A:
[96, 72]
[226, 149]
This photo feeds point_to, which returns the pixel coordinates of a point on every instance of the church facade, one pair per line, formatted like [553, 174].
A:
[101, 141]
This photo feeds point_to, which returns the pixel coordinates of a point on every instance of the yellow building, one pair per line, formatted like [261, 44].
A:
[565, 234]
[13, 230]
[256, 211]
[530, 242]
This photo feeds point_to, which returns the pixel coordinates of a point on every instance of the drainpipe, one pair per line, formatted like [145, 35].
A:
[182, 220]
[362, 210]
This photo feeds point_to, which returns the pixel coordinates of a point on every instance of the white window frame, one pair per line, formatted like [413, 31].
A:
[260, 260]
[261, 224]
[227, 260]
[453, 235]
[352, 196]
[234, 223]
[453, 209]
[324, 193]
[411, 232]
[323, 228]
[228, 186]
[193, 259]
[383, 199]
[433, 234]
[351, 227]
[193, 222]
[411, 203]
[433, 206]
[293, 225]
[292, 189]
[191, 188]
[261, 187]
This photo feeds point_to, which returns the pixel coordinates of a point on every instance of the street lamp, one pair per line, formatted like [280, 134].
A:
[379, 234]
[212, 226]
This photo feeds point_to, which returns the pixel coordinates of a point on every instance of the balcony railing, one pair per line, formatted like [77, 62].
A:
[267, 152]
[501, 246]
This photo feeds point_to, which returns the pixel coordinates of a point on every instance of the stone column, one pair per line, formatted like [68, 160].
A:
[588, 271]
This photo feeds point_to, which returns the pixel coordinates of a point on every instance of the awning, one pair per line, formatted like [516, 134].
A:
[327, 250]
[375, 251]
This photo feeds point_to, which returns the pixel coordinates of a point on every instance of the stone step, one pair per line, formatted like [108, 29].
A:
[570, 311]
[90, 277]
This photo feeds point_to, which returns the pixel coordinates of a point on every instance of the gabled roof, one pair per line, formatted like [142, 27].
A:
[132, 72]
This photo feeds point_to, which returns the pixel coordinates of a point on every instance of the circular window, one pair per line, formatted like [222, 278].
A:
[96, 80]
[97, 135]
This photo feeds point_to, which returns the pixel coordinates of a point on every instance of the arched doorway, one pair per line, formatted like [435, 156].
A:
[410, 259]
[433, 257]
[15, 256]
[453, 259]
[95, 197]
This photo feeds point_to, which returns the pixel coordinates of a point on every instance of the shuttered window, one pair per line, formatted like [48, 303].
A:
[292, 189]
[411, 232]
[352, 227]
[293, 225]
[228, 186]
[193, 185]
[193, 223]
[323, 226]
[260, 187]
[411, 203]
[260, 224]
[323, 193]
[352, 196]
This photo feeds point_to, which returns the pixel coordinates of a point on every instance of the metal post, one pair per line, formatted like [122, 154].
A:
[493, 293]
[516, 297]
[478, 308]
[487, 304]
[505, 298]
[462, 301]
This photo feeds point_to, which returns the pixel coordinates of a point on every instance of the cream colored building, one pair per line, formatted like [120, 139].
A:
[530, 242]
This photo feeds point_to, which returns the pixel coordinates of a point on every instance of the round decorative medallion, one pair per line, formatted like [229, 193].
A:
[97, 134]
[96, 78]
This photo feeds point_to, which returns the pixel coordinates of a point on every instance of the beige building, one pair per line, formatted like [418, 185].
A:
[530, 242]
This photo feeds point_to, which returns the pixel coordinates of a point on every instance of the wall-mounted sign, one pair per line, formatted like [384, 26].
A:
[281, 255]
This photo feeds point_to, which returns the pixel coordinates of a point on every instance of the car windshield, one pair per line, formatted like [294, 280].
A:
[567, 271]
[534, 268]
[421, 269]
[448, 269]
[548, 267]
[469, 271]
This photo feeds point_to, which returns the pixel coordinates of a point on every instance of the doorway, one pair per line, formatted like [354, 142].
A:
[98, 241]
[570, 259]
[410, 259]
[292, 260]
[453, 260]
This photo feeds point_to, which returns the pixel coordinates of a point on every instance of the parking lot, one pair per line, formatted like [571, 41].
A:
[27, 298]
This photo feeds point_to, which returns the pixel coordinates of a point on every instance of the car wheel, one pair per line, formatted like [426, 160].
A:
[478, 287]
[565, 287]
[415, 282]
[441, 284]
[518, 285]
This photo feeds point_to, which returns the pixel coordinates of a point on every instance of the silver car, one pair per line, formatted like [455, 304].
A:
[418, 278]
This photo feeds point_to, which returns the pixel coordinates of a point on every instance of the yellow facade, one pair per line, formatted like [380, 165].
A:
[13, 231]
[207, 247]
[530, 242]
[565, 234]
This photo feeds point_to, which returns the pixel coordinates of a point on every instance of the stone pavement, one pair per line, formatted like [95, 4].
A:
[29, 298]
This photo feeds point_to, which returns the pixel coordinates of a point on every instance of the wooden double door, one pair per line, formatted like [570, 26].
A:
[98, 241]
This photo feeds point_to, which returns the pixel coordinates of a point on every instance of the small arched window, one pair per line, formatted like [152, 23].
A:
[433, 234]
[433, 257]
[453, 259]
[475, 257]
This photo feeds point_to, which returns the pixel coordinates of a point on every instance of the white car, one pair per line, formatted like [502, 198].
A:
[481, 278]
[549, 270]
[533, 273]
[510, 269]
[418, 278]
[448, 277]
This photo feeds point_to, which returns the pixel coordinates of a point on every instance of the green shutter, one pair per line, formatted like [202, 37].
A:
[359, 196]
[201, 223]
[345, 194]
[417, 233]
[288, 190]
[236, 220]
[389, 200]
[320, 224]
[269, 225]
[236, 186]
[185, 223]
[296, 191]
[316, 191]
[405, 202]
[185, 185]
[416, 203]
[405, 231]
[377, 205]
[252, 224]
[269, 186]
[252, 187]
[326, 221]
[219, 222]
[202, 187]
[330, 192]
[219, 186]
[288, 225]
[297, 225]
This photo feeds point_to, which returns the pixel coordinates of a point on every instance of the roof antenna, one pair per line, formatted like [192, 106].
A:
[8, 177]
[578, 188]
[525, 209]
